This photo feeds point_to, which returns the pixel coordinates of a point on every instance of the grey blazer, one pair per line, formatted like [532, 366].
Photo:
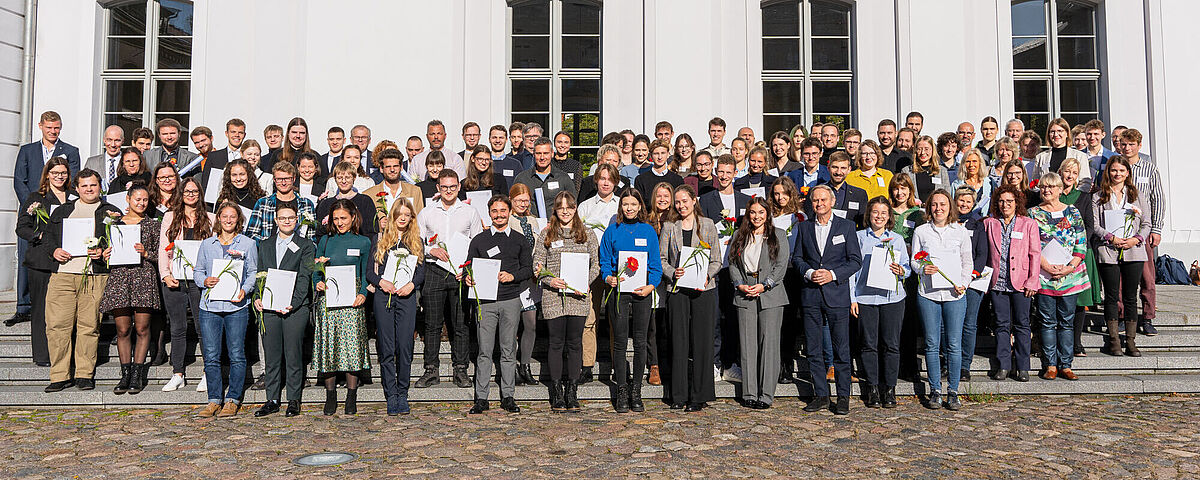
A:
[770, 275]
[670, 242]
[1105, 251]
[155, 155]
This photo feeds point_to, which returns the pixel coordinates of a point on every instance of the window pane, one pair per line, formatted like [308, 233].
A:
[831, 54]
[1028, 18]
[1029, 53]
[174, 53]
[1075, 19]
[1077, 53]
[127, 53]
[585, 156]
[1079, 118]
[173, 96]
[781, 20]
[1031, 96]
[530, 52]
[124, 96]
[580, 18]
[775, 123]
[127, 121]
[830, 19]
[581, 95]
[542, 119]
[831, 97]
[581, 52]
[1036, 122]
[127, 20]
[175, 18]
[583, 128]
[782, 97]
[182, 118]
[781, 54]
[1078, 96]
[531, 18]
[842, 121]
[530, 96]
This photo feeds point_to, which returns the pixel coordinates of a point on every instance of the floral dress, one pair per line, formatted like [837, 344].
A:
[340, 336]
[1065, 226]
[135, 286]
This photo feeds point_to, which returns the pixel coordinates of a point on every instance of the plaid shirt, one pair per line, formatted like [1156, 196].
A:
[262, 220]
[1145, 176]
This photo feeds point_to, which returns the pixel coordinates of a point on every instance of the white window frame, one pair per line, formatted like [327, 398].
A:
[1053, 74]
[806, 75]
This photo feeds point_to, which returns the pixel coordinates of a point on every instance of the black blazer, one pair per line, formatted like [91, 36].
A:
[55, 228]
[366, 212]
[39, 255]
[319, 182]
[853, 202]
[587, 188]
[125, 180]
[216, 159]
[299, 261]
[711, 206]
[764, 180]
[376, 269]
[842, 256]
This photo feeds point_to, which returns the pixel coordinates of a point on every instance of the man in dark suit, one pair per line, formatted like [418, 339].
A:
[336, 138]
[108, 162]
[813, 172]
[850, 202]
[827, 254]
[235, 133]
[283, 337]
[27, 174]
[725, 197]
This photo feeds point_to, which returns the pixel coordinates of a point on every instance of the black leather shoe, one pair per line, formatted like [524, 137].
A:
[461, 379]
[843, 406]
[330, 402]
[1021, 376]
[621, 400]
[934, 402]
[351, 401]
[429, 379]
[635, 398]
[272, 406]
[525, 375]
[59, 386]
[18, 318]
[42, 364]
[677, 406]
[785, 373]
[873, 398]
[293, 408]
[509, 404]
[260, 383]
[889, 397]
[999, 375]
[479, 407]
[85, 384]
[585, 375]
[694, 407]
[817, 404]
[965, 377]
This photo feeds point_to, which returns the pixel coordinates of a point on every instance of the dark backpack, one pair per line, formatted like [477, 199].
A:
[1170, 271]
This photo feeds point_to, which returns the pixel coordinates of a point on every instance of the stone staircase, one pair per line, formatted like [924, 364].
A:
[1170, 364]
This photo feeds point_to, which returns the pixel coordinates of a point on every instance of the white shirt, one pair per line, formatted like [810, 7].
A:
[233, 153]
[438, 219]
[111, 165]
[822, 237]
[47, 154]
[595, 210]
[952, 239]
[730, 203]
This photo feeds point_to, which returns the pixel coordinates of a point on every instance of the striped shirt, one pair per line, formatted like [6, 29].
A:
[1147, 180]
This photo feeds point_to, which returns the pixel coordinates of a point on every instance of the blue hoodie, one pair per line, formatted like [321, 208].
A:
[625, 236]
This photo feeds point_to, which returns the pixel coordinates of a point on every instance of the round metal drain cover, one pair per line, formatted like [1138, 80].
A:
[325, 459]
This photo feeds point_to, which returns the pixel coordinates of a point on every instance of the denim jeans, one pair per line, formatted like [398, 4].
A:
[938, 317]
[228, 328]
[970, 327]
[1058, 329]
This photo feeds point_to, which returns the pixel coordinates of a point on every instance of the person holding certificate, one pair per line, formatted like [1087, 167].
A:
[597, 213]
[33, 227]
[630, 314]
[688, 249]
[758, 263]
[565, 257]
[131, 294]
[340, 341]
[787, 207]
[225, 267]
[186, 224]
[527, 225]
[1015, 255]
[877, 300]
[238, 185]
[1122, 214]
[1063, 276]
[397, 272]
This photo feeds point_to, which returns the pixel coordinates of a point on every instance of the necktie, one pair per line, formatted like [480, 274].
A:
[112, 172]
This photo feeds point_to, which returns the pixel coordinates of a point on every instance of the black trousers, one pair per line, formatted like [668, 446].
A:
[879, 334]
[1012, 322]
[630, 316]
[839, 333]
[692, 314]
[283, 350]
[726, 346]
[1121, 281]
[442, 302]
[394, 342]
[179, 301]
[38, 281]
[566, 334]
[658, 336]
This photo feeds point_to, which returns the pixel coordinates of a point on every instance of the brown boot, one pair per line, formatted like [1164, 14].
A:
[1113, 347]
[1131, 349]
[210, 410]
[231, 409]
[655, 377]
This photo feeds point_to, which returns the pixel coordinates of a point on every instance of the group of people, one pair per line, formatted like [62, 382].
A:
[727, 261]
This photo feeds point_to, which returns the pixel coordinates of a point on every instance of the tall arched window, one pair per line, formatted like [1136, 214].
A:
[1056, 67]
[554, 69]
[807, 63]
[147, 62]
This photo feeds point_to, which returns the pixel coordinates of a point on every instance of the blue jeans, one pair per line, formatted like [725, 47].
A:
[939, 318]
[1058, 329]
[228, 328]
[970, 327]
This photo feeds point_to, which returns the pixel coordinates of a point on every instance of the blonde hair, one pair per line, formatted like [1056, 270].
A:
[411, 238]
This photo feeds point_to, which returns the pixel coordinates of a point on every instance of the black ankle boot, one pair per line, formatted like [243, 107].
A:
[621, 402]
[351, 401]
[330, 402]
[525, 375]
[635, 398]
[145, 374]
[137, 378]
[585, 375]
[556, 397]
[123, 385]
[889, 397]
[571, 395]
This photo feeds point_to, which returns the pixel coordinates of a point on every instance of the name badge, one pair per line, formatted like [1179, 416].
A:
[741, 211]
[552, 185]
[493, 251]
[1143, 179]
[853, 205]
[351, 252]
[571, 175]
[556, 244]
[1056, 214]
[621, 185]
[839, 213]
[293, 248]
[936, 180]
[879, 180]
[162, 208]
[508, 172]
[838, 239]
[639, 242]
[1018, 235]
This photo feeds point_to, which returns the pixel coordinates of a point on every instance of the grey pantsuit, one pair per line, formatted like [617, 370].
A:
[758, 330]
[500, 317]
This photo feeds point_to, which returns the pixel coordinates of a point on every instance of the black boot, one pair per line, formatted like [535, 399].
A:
[889, 397]
[556, 397]
[351, 401]
[585, 375]
[145, 375]
[635, 398]
[872, 397]
[123, 385]
[621, 402]
[330, 402]
[785, 373]
[571, 395]
[137, 378]
[525, 375]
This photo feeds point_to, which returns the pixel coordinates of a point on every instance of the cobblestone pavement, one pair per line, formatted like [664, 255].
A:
[1059, 437]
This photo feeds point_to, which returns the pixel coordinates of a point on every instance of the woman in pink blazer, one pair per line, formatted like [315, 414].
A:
[1015, 255]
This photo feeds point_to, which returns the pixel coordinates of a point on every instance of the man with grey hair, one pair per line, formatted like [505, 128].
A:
[1014, 128]
[435, 132]
[109, 162]
[531, 133]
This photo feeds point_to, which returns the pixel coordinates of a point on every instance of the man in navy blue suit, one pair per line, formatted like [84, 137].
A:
[26, 176]
[813, 172]
[827, 254]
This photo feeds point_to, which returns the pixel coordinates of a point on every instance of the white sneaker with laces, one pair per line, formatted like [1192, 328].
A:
[716, 373]
[203, 385]
[733, 374]
[177, 381]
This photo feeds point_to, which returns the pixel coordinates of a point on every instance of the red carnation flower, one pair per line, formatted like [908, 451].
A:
[170, 246]
[921, 255]
[381, 194]
[631, 265]
[464, 265]
[1033, 184]
[433, 239]
[730, 219]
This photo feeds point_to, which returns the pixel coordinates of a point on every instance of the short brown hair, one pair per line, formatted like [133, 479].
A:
[469, 125]
[272, 128]
[285, 167]
[659, 143]
[1131, 135]
[663, 124]
[235, 122]
[1094, 124]
[167, 122]
[202, 130]
[839, 156]
[50, 116]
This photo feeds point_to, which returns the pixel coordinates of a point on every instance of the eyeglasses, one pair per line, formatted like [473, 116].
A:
[165, 177]
[60, 174]
[191, 193]
[284, 179]
[448, 187]
[285, 219]
[359, 137]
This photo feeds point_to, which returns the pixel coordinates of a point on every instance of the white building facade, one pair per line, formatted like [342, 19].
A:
[600, 66]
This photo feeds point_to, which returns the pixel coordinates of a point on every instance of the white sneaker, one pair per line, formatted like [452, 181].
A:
[177, 381]
[733, 374]
[716, 373]
[203, 385]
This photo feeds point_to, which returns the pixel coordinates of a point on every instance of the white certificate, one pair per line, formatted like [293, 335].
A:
[695, 271]
[984, 282]
[124, 237]
[574, 269]
[306, 192]
[277, 294]
[879, 271]
[457, 249]
[760, 192]
[229, 279]
[340, 285]
[540, 199]
[118, 200]
[181, 269]
[784, 221]
[1055, 253]
[75, 233]
[479, 201]
[1114, 223]
[947, 263]
[486, 273]
[213, 189]
[246, 214]
[630, 282]
[400, 268]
